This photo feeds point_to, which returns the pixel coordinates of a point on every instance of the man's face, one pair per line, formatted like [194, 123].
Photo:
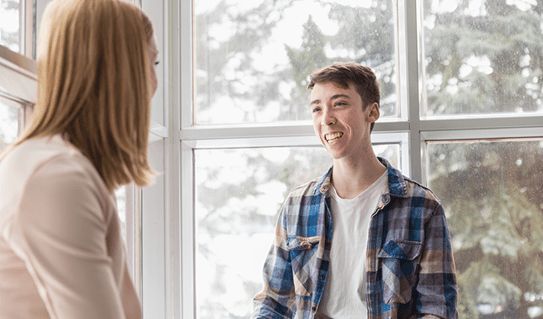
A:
[340, 120]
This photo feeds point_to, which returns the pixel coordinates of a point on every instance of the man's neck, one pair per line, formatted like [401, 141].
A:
[352, 178]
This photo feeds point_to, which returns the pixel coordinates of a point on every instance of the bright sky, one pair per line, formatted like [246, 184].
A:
[9, 20]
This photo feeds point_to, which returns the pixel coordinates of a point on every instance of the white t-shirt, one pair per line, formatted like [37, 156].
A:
[345, 288]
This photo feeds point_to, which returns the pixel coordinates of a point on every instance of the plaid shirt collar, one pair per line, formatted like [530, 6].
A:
[396, 182]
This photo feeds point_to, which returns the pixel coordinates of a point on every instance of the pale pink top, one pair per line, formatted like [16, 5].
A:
[61, 251]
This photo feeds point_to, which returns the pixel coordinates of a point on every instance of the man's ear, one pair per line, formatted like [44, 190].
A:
[374, 113]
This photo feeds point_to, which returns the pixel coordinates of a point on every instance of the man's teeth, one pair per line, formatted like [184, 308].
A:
[333, 136]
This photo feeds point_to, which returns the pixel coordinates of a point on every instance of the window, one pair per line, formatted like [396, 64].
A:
[10, 121]
[128, 210]
[462, 113]
[246, 138]
[482, 57]
[10, 26]
[253, 58]
[237, 203]
[491, 191]
[482, 107]
[18, 25]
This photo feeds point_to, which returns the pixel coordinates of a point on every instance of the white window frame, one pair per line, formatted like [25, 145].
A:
[413, 131]
[300, 133]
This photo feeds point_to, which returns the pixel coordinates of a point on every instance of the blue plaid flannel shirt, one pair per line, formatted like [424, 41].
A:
[409, 261]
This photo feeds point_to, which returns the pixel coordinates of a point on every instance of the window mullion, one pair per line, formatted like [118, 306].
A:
[409, 73]
[26, 22]
[185, 306]
[187, 62]
[475, 123]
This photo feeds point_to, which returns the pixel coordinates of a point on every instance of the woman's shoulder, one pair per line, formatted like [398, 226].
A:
[36, 151]
[42, 178]
[51, 159]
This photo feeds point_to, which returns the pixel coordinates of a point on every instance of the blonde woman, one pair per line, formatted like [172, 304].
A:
[61, 251]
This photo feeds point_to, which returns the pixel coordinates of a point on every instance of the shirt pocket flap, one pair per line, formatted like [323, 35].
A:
[303, 243]
[407, 250]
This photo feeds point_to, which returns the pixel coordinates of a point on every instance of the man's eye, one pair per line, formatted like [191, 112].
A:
[317, 109]
[340, 103]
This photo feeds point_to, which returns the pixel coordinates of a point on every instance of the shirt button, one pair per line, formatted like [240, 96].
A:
[314, 308]
[322, 277]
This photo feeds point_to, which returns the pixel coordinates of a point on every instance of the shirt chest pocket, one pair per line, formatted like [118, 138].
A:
[303, 255]
[399, 262]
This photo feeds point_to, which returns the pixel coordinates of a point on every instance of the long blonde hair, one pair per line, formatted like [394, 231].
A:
[93, 85]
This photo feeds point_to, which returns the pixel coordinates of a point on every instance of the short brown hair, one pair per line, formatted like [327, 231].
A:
[343, 74]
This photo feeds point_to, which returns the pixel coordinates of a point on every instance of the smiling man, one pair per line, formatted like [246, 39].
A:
[362, 241]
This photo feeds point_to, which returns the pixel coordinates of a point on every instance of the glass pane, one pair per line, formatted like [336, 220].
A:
[237, 202]
[130, 227]
[483, 57]
[9, 122]
[491, 192]
[9, 24]
[120, 194]
[254, 57]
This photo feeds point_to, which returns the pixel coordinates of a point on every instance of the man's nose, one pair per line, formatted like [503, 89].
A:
[328, 118]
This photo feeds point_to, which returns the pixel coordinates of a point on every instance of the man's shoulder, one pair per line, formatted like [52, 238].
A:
[317, 186]
[415, 189]
[401, 186]
[309, 194]
[306, 189]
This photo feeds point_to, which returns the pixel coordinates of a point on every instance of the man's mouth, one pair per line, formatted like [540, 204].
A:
[333, 137]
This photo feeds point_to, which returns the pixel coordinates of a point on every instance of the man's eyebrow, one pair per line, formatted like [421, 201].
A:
[334, 97]
[337, 96]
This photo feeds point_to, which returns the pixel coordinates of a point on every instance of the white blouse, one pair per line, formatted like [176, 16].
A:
[61, 251]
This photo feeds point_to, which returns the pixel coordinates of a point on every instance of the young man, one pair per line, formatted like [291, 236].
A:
[363, 241]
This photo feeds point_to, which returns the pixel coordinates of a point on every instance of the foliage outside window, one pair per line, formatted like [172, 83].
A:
[485, 58]
[253, 58]
[492, 193]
